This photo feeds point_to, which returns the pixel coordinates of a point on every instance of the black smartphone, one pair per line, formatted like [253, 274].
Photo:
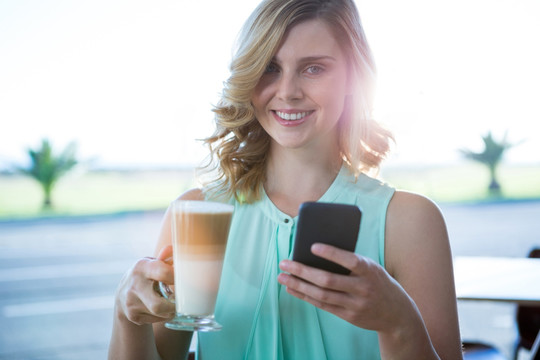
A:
[333, 224]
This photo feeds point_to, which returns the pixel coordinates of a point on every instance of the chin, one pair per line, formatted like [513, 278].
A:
[292, 144]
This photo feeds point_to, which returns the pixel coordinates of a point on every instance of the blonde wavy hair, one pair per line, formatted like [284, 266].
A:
[239, 147]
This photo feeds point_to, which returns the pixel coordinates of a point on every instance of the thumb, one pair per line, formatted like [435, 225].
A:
[166, 253]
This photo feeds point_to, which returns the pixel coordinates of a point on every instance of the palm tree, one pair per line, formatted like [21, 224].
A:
[46, 167]
[491, 156]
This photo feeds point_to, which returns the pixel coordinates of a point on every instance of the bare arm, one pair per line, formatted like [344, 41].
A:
[140, 313]
[418, 256]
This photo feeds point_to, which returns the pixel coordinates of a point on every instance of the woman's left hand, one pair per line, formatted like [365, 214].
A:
[368, 297]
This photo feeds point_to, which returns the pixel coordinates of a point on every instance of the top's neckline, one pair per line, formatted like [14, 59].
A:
[330, 194]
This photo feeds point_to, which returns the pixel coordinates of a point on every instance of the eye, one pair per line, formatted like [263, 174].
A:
[314, 69]
[271, 68]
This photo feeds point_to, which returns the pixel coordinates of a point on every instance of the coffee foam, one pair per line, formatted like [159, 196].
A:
[202, 231]
[205, 207]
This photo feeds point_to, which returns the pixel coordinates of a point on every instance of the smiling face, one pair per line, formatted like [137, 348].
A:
[301, 96]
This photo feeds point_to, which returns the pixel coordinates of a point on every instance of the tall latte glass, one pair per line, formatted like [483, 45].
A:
[199, 236]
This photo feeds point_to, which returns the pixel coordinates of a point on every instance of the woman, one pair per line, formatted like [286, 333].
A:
[293, 126]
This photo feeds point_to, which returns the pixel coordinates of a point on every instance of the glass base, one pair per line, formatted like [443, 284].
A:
[193, 323]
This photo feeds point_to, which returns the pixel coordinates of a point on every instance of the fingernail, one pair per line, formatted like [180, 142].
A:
[284, 265]
[316, 248]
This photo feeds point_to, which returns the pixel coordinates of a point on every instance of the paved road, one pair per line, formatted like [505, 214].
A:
[57, 282]
[58, 277]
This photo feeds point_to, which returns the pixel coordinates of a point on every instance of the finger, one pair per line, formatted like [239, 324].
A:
[142, 319]
[141, 304]
[160, 307]
[151, 311]
[349, 260]
[165, 253]
[153, 305]
[154, 270]
[316, 276]
[311, 293]
[161, 271]
[334, 309]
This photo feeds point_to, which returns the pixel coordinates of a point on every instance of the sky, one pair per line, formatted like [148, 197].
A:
[133, 82]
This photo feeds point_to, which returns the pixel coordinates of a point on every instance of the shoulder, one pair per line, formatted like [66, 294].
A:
[409, 210]
[192, 194]
[414, 227]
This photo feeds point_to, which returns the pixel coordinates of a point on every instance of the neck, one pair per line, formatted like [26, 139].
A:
[295, 176]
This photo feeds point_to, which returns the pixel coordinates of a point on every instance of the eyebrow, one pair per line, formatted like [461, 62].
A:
[318, 58]
[311, 58]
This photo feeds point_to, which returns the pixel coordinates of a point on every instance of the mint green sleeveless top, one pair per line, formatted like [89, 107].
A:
[260, 319]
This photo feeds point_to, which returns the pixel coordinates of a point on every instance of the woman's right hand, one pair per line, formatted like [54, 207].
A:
[137, 299]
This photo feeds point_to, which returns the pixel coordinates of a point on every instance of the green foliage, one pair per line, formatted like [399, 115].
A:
[491, 157]
[46, 167]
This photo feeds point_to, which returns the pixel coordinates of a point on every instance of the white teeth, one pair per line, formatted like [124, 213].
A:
[291, 117]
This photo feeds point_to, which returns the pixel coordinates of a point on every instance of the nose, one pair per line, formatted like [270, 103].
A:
[289, 87]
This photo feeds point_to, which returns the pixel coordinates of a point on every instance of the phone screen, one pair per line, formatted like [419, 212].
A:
[333, 224]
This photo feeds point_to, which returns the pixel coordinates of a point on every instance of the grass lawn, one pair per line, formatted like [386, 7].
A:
[117, 191]
[94, 193]
[466, 183]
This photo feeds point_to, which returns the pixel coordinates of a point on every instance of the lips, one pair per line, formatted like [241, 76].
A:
[291, 117]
